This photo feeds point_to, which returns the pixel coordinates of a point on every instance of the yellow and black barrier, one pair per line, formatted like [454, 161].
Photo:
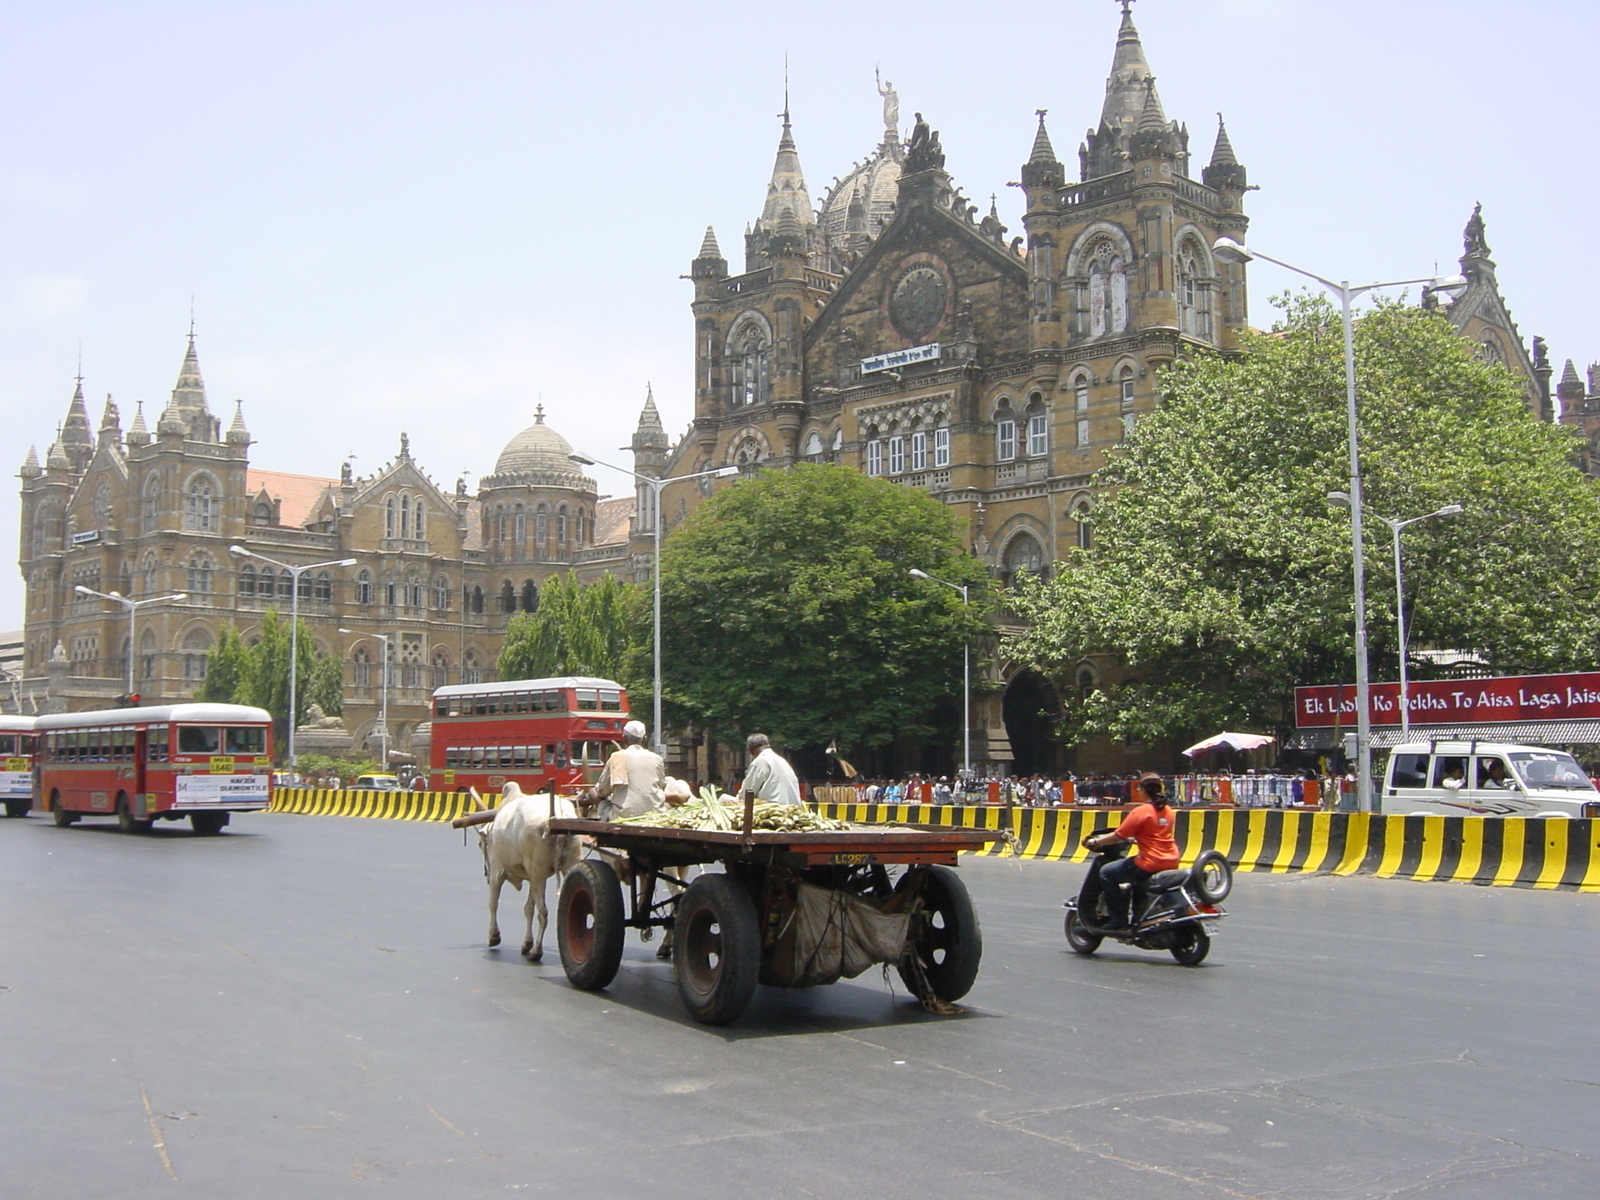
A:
[362, 802]
[1532, 852]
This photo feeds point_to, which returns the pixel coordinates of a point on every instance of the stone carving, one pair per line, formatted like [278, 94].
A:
[917, 304]
[1541, 355]
[891, 101]
[923, 152]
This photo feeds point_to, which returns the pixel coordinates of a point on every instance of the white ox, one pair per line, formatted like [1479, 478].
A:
[519, 848]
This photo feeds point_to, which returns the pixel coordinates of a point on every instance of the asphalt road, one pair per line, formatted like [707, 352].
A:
[305, 1008]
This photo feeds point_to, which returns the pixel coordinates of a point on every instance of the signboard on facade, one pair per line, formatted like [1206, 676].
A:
[1509, 698]
[901, 358]
[87, 536]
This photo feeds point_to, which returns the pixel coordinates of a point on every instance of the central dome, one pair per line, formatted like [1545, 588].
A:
[538, 449]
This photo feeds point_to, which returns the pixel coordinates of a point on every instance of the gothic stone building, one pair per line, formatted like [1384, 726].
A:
[438, 573]
[895, 329]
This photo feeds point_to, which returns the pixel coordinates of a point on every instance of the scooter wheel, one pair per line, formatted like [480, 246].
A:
[1079, 938]
[1212, 877]
[1192, 945]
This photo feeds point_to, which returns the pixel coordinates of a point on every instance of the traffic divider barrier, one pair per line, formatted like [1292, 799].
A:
[362, 802]
[1528, 852]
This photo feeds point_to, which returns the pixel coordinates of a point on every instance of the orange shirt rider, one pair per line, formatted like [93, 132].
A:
[1151, 828]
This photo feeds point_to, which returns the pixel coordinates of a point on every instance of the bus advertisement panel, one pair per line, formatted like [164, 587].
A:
[539, 733]
[17, 739]
[162, 762]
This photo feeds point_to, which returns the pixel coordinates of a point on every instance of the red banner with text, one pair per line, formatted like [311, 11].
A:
[1509, 698]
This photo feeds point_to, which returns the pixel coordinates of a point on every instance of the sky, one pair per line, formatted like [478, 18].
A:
[426, 217]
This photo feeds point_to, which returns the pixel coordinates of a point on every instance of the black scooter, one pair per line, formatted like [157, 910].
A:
[1175, 911]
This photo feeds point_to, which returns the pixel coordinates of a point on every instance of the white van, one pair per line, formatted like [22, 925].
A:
[1486, 779]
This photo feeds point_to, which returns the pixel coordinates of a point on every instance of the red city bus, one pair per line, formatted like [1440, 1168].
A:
[538, 732]
[16, 756]
[164, 762]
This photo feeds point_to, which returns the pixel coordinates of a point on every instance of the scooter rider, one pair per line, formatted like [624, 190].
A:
[1150, 825]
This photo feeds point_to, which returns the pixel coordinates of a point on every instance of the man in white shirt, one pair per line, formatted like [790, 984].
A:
[769, 775]
[633, 779]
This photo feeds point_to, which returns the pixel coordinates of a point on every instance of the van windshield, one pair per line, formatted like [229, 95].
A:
[1550, 771]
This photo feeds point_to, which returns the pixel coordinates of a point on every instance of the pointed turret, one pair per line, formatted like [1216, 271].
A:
[189, 399]
[30, 465]
[138, 433]
[76, 439]
[786, 194]
[238, 435]
[1129, 90]
[57, 459]
[1043, 169]
[650, 434]
[1154, 136]
[709, 263]
[1224, 173]
[1570, 391]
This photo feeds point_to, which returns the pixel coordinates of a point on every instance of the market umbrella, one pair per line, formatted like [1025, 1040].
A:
[1231, 741]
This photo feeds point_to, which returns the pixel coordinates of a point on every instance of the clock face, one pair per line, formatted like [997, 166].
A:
[917, 304]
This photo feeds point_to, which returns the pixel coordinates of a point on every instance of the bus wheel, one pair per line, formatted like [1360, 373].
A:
[63, 817]
[126, 821]
[18, 808]
[207, 824]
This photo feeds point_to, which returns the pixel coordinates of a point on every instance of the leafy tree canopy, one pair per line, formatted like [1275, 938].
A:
[600, 629]
[789, 607]
[1220, 577]
[258, 674]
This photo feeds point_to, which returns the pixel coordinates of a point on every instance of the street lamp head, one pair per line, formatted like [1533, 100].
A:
[345, 562]
[179, 598]
[83, 591]
[1449, 510]
[581, 460]
[1339, 499]
[724, 472]
[918, 573]
[238, 551]
[1448, 283]
[1230, 250]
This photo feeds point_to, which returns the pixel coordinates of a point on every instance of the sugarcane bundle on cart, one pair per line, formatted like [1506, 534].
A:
[801, 900]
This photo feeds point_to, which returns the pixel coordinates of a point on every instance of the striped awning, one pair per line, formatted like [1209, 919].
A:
[1538, 733]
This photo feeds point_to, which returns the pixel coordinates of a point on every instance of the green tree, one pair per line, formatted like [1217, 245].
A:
[788, 606]
[258, 674]
[227, 663]
[1220, 578]
[578, 629]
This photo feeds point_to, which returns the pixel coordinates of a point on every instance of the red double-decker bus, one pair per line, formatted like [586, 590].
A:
[537, 732]
[16, 757]
[163, 762]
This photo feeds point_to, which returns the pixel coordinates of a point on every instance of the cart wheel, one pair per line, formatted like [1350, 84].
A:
[589, 925]
[716, 948]
[944, 938]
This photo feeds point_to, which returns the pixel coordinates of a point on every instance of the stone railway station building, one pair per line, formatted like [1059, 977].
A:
[894, 327]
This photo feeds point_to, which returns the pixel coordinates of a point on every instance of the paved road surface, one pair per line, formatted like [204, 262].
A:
[305, 1008]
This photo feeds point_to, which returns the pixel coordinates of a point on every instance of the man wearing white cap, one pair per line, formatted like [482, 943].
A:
[633, 777]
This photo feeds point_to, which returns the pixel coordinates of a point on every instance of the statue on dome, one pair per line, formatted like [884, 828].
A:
[891, 102]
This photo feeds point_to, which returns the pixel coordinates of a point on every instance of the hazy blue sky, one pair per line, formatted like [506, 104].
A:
[425, 217]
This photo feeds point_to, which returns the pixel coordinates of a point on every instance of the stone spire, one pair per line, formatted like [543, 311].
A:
[1043, 169]
[57, 459]
[786, 191]
[709, 263]
[189, 399]
[238, 435]
[709, 247]
[1129, 90]
[650, 434]
[1154, 135]
[76, 439]
[30, 465]
[138, 433]
[1225, 172]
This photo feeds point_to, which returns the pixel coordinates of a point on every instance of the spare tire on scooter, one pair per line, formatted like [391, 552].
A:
[1212, 877]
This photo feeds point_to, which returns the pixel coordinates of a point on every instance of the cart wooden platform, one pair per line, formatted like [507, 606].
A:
[738, 927]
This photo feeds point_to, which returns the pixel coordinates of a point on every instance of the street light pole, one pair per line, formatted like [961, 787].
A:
[966, 677]
[1231, 250]
[294, 624]
[383, 697]
[655, 485]
[1343, 500]
[133, 607]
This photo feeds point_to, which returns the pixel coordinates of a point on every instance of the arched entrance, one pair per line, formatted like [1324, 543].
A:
[1030, 708]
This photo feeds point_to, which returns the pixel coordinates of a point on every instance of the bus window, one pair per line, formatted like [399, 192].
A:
[521, 702]
[610, 701]
[249, 739]
[198, 739]
[552, 702]
[588, 700]
[8, 744]
[158, 744]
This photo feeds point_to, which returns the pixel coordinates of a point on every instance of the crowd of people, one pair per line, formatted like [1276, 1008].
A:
[1248, 790]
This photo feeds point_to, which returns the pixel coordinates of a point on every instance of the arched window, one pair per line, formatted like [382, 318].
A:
[1080, 407]
[541, 534]
[441, 668]
[561, 529]
[199, 505]
[477, 601]
[919, 449]
[471, 671]
[361, 668]
[196, 645]
[151, 570]
[1005, 433]
[813, 450]
[391, 593]
[941, 442]
[749, 354]
[1194, 291]
[303, 583]
[323, 587]
[530, 596]
[520, 536]
[364, 587]
[508, 597]
[1108, 290]
[1023, 557]
[389, 518]
[150, 502]
[286, 585]
[417, 522]
[1038, 427]
[441, 594]
[405, 516]
[897, 453]
[247, 580]
[199, 575]
[1081, 515]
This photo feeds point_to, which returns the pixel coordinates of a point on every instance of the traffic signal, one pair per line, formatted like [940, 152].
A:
[131, 700]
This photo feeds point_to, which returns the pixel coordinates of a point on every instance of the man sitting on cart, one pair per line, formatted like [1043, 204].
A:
[769, 774]
[633, 779]
[1150, 825]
